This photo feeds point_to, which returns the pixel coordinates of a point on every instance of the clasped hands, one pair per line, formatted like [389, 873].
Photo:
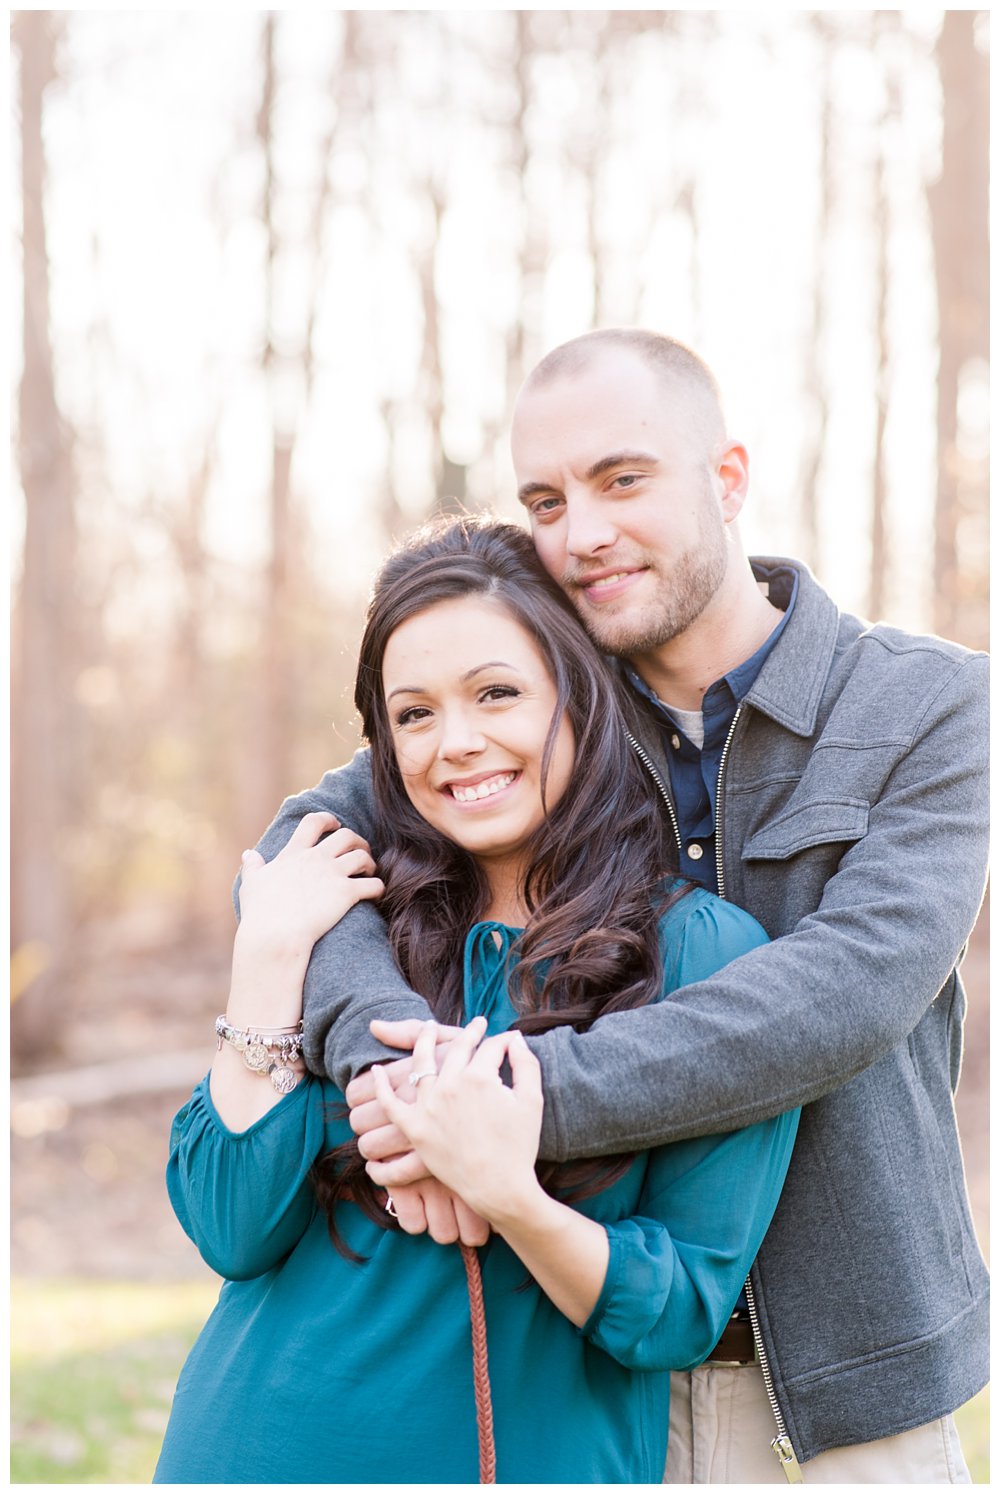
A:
[458, 1148]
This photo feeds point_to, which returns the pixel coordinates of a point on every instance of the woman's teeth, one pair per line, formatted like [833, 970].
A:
[466, 795]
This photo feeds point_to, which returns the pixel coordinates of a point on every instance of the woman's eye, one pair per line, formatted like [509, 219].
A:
[500, 692]
[412, 715]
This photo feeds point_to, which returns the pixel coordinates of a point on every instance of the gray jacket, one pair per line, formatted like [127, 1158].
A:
[853, 815]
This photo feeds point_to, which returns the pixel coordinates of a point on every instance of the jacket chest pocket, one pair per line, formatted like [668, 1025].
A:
[786, 864]
[811, 826]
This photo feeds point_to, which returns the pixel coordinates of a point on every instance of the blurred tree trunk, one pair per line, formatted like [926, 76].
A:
[595, 31]
[388, 509]
[958, 205]
[879, 563]
[522, 339]
[814, 376]
[431, 367]
[690, 106]
[289, 370]
[44, 768]
[190, 705]
[449, 477]
[275, 740]
[523, 332]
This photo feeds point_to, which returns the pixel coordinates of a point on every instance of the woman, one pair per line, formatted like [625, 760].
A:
[525, 885]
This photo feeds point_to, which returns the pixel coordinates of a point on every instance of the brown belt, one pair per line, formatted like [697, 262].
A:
[736, 1346]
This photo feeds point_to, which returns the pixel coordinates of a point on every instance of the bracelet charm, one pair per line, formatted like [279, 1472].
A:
[267, 1053]
[257, 1057]
[283, 1080]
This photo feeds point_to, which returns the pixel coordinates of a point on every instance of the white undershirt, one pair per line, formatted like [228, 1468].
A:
[691, 723]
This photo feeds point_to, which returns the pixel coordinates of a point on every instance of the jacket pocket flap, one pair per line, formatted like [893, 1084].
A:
[821, 822]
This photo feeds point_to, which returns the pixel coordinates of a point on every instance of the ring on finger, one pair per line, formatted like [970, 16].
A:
[424, 1074]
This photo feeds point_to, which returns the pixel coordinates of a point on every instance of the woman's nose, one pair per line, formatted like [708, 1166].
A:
[460, 736]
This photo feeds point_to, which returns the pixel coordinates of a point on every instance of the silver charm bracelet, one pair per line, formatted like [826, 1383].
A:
[265, 1052]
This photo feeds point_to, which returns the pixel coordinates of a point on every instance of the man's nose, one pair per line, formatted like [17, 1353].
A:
[589, 527]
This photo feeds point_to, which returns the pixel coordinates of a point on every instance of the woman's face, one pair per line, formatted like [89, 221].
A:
[470, 701]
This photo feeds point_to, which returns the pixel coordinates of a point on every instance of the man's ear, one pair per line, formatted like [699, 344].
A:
[732, 470]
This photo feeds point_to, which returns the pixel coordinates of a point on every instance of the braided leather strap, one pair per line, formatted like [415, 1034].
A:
[480, 1368]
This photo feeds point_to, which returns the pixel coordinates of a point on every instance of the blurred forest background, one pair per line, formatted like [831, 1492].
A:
[282, 276]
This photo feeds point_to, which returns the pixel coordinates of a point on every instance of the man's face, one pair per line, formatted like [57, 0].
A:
[615, 469]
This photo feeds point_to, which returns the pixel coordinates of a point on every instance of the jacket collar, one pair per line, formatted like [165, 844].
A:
[790, 685]
[792, 679]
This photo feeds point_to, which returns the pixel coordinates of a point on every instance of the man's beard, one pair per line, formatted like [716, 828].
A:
[679, 601]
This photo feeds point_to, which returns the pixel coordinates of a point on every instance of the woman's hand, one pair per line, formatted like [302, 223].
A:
[285, 906]
[481, 1138]
[318, 876]
[470, 1130]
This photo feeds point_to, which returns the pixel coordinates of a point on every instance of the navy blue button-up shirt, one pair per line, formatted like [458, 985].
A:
[694, 772]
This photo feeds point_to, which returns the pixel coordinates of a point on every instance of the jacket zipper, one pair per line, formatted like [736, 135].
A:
[782, 1444]
[720, 871]
[654, 774]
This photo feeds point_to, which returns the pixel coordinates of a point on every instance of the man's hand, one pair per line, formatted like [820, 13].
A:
[479, 1135]
[430, 1206]
[391, 1162]
[420, 1201]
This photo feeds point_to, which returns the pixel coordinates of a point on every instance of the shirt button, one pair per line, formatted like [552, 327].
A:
[675, 742]
[695, 851]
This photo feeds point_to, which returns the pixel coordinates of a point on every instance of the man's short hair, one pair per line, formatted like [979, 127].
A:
[665, 355]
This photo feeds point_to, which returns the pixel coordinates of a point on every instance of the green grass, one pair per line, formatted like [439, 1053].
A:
[974, 1429]
[93, 1367]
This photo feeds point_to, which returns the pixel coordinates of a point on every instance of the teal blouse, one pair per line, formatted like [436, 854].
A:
[312, 1369]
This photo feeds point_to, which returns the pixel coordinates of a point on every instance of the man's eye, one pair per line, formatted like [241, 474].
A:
[543, 506]
[625, 480]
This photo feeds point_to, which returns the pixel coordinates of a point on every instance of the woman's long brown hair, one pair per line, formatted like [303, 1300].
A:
[594, 887]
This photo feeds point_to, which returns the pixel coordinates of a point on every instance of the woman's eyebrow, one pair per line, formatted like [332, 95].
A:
[468, 675]
[490, 664]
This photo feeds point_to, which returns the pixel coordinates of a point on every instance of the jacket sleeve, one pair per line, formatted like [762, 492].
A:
[352, 976]
[677, 1265]
[676, 1269]
[244, 1197]
[787, 1023]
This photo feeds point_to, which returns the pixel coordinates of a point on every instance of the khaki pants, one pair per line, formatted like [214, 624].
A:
[721, 1426]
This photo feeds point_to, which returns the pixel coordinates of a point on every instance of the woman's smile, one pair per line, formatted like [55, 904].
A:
[480, 789]
[471, 703]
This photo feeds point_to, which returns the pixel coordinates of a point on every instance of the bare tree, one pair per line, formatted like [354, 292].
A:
[275, 727]
[287, 368]
[522, 334]
[431, 362]
[43, 745]
[814, 378]
[593, 33]
[883, 23]
[958, 205]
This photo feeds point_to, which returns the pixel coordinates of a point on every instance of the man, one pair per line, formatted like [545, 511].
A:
[830, 778]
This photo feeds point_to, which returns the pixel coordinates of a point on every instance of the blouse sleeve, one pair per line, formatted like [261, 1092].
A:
[676, 1268]
[244, 1197]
